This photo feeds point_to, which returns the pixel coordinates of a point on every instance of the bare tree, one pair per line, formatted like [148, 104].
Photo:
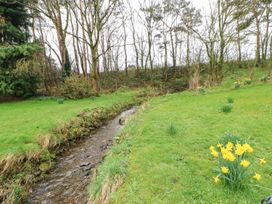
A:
[53, 10]
[94, 14]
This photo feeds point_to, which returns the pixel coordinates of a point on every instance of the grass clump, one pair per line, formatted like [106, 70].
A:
[227, 108]
[61, 101]
[172, 130]
[230, 100]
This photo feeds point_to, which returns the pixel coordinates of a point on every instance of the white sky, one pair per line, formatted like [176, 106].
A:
[203, 5]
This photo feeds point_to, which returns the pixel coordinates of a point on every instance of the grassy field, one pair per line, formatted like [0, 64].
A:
[164, 168]
[23, 122]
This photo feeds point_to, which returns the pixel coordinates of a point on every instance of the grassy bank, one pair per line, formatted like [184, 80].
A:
[28, 149]
[155, 166]
[22, 123]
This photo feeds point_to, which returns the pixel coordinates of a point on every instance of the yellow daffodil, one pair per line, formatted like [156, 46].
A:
[245, 163]
[219, 145]
[247, 148]
[216, 179]
[227, 155]
[239, 150]
[225, 170]
[229, 146]
[262, 162]
[214, 153]
[257, 176]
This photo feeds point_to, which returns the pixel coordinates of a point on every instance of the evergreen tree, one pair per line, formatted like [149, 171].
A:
[14, 21]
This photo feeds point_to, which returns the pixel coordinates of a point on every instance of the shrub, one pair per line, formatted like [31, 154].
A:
[201, 90]
[226, 108]
[230, 100]
[235, 168]
[247, 81]
[177, 85]
[76, 87]
[21, 84]
[265, 78]
[237, 84]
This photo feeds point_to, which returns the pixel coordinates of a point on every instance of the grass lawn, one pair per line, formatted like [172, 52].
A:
[162, 168]
[23, 122]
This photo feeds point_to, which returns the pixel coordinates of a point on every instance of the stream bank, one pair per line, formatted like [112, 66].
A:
[67, 182]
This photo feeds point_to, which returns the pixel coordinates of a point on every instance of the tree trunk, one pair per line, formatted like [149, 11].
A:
[94, 75]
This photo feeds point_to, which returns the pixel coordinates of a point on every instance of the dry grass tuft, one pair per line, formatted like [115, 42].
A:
[10, 162]
[107, 189]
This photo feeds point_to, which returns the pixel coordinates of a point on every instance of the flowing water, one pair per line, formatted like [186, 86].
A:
[68, 181]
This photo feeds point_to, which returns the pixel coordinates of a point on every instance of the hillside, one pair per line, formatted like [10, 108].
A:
[165, 150]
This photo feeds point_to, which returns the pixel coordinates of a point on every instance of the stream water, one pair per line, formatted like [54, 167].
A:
[68, 181]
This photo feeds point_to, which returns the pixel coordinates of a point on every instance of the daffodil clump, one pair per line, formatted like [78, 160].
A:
[235, 169]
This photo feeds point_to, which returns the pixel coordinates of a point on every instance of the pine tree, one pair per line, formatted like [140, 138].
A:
[14, 21]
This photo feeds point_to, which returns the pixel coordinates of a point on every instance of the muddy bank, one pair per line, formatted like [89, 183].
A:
[68, 181]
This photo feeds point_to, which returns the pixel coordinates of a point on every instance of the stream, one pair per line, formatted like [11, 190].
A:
[67, 182]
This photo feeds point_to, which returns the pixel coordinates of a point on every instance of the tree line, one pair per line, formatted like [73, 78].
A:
[99, 38]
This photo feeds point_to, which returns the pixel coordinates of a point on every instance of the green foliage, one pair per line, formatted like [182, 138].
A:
[76, 87]
[176, 85]
[237, 84]
[229, 137]
[9, 55]
[247, 81]
[18, 84]
[226, 108]
[201, 90]
[14, 19]
[265, 78]
[20, 72]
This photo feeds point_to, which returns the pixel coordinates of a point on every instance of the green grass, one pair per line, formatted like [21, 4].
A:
[178, 168]
[22, 123]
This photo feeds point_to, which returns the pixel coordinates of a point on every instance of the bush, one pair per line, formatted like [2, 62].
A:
[247, 81]
[226, 108]
[265, 78]
[230, 100]
[76, 87]
[177, 85]
[21, 84]
[201, 90]
[234, 167]
[237, 84]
